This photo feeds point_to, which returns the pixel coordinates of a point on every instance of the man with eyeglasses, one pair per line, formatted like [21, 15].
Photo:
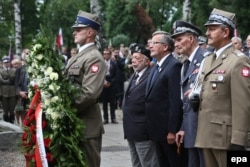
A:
[87, 70]
[163, 103]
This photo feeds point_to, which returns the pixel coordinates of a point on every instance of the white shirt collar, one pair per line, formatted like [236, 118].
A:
[191, 57]
[85, 46]
[162, 60]
[218, 52]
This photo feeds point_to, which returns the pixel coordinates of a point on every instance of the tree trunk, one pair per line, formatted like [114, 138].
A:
[18, 27]
[95, 9]
[187, 10]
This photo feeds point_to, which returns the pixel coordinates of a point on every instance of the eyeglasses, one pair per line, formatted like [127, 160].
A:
[155, 43]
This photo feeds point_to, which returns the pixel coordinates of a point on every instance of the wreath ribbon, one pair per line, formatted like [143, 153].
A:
[40, 154]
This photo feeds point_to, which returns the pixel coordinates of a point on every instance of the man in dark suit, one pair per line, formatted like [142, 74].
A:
[21, 83]
[142, 150]
[109, 88]
[163, 101]
[187, 43]
[121, 78]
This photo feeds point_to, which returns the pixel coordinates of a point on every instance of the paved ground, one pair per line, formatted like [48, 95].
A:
[115, 151]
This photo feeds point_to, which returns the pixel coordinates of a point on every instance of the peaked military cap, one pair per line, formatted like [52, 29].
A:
[5, 59]
[218, 17]
[202, 40]
[181, 27]
[85, 19]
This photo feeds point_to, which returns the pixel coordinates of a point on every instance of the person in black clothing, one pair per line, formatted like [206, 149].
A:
[121, 76]
[109, 88]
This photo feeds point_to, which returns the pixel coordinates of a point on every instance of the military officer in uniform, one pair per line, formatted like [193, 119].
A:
[187, 43]
[8, 90]
[223, 119]
[87, 70]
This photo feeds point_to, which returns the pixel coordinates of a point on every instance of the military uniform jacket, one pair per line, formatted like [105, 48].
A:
[134, 117]
[190, 118]
[224, 101]
[87, 70]
[7, 82]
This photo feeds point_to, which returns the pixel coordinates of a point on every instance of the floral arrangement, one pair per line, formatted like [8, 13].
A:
[50, 90]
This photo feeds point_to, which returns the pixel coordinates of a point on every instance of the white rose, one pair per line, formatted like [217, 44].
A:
[49, 111]
[55, 99]
[48, 71]
[36, 47]
[46, 101]
[51, 87]
[39, 57]
[54, 115]
[53, 76]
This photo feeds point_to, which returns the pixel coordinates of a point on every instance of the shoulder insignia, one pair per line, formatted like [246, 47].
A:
[245, 72]
[238, 53]
[94, 68]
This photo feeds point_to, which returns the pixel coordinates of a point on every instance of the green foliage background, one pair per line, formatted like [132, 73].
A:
[136, 19]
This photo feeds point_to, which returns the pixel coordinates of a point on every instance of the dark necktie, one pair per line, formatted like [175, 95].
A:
[156, 70]
[213, 58]
[133, 82]
[25, 81]
[185, 67]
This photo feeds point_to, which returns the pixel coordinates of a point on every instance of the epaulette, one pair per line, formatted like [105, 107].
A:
[238, 53]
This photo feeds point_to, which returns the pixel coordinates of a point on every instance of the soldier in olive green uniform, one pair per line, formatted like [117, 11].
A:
[224, 111]
[8, 90]
[87, 69]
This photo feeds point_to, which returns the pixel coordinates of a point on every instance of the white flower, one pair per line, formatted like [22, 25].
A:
[54, 115]
[39, 57]
[54, 99]
[49, 111]
[47, 102]
[45, 94]
[48, 71]
[53, 76]
[36, 47]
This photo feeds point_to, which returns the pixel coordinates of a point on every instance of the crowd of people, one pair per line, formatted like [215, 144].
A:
[185, 101]
[14, 88]
[184, 108]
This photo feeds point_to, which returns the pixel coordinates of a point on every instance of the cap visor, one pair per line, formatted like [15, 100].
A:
[79, 25]
[212, 23]
[176, 34]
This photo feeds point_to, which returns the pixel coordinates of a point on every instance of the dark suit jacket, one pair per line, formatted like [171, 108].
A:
[134, 121]
[19, 80]
[163, 101]
[189, 123]
[113, 74]
[110, 92]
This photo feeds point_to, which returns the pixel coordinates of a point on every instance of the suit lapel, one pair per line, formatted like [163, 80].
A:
[194, 64]
[142, 78]
[162, 69]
